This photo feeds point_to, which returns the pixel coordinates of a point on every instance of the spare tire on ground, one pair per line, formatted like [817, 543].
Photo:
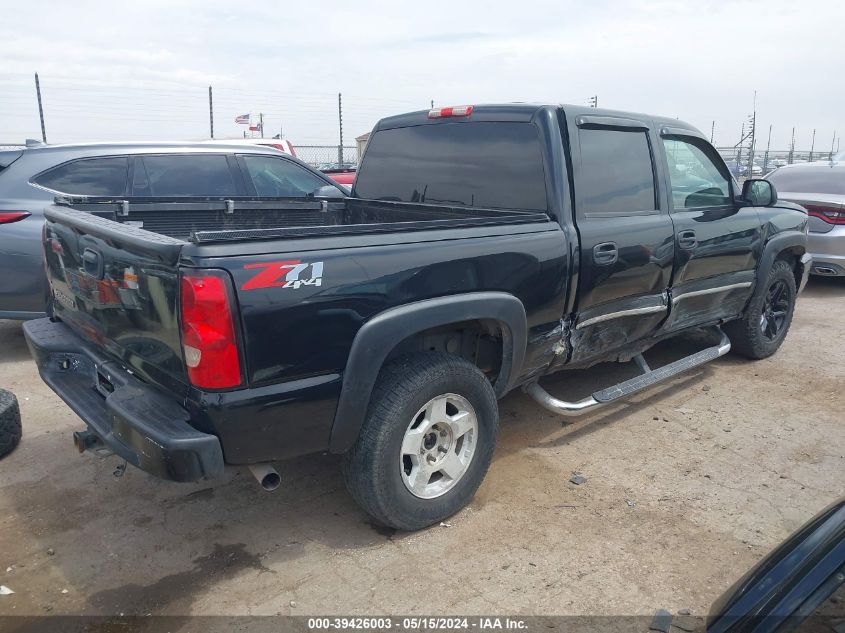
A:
[10, 422]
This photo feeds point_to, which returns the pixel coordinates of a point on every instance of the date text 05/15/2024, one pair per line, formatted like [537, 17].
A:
[480, 623]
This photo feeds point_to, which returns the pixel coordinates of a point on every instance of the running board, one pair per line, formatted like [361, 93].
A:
[648, 378]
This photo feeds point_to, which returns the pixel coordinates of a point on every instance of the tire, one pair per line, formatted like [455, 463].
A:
[424, 400]
[10, 422]
[760, 332]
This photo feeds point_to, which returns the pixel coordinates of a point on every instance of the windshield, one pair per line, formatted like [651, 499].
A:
[484, 164]
[821, 179]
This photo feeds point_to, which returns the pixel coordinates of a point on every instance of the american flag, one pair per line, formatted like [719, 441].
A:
[242, 119]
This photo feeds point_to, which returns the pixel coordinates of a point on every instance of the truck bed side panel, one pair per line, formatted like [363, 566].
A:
[342, 288]
[304, 332]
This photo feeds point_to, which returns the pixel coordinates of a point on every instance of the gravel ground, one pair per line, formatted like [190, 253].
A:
[686, 487]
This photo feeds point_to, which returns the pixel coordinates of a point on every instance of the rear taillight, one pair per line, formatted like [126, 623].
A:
[830, 216]
[208, 330]
[442, 113]
[7, 217]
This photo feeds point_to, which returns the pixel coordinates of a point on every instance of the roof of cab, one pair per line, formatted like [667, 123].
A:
[525, 112]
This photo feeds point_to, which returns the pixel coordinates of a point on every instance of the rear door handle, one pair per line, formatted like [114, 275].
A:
[605, 253]
[686, 239]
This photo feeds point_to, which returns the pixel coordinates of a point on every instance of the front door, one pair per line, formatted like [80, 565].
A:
[626, 238]
[718, 240]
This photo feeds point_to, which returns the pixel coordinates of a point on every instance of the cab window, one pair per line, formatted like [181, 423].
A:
[695, 177]
[617, 173]
[472, 163]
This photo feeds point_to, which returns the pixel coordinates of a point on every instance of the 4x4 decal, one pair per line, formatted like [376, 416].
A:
[286, 274]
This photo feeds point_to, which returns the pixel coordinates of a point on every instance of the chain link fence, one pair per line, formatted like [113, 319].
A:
[328, 156]
[763, 162]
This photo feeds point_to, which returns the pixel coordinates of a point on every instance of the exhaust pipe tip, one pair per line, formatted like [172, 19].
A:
[266, 476]
[271, 481]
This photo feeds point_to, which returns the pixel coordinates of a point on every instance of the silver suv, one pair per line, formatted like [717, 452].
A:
[31, 177]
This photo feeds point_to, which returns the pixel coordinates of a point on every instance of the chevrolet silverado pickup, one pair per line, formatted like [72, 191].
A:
[482, 249]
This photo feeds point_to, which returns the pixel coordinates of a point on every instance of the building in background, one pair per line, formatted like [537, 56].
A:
[361, 142]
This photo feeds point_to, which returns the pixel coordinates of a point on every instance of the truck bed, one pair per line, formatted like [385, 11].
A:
[209, 220]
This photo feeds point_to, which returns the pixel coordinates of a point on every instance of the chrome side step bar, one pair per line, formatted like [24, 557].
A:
[648, 378]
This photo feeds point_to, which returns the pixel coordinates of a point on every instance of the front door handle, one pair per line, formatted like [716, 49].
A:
[686, 239]
[605, 253]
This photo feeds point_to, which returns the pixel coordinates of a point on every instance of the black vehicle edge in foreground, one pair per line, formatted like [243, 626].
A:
[385, 326]
[790, 583]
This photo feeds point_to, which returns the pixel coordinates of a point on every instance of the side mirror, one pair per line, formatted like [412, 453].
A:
[759, 193]
[328, 191]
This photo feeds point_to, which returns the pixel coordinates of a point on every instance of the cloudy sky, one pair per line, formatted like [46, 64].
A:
[141, 70]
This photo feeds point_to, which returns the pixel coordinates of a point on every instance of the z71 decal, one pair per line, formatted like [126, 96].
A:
[287, 274]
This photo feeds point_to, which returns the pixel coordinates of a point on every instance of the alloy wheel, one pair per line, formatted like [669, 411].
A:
[775, 309]
[438, 446]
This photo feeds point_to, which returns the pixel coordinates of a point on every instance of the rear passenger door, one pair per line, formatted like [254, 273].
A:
[718, 239]
[626, 238]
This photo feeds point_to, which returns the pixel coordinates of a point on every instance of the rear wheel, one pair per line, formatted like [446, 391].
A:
[427, 441]
[10, 422]
[764, 326]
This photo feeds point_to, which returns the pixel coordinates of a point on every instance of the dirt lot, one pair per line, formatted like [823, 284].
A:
[686, 488]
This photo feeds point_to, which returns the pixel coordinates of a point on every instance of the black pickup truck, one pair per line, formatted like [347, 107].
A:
[482, 248]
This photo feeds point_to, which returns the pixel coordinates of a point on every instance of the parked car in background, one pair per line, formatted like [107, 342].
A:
[819, 188]
[342, 175]
[741, 168]
[31, 177]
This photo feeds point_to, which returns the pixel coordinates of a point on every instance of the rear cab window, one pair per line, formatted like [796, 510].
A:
[483, 164]
[87, 176]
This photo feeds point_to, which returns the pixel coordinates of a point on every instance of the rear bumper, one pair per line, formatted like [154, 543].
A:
[828, 251]
[135, 420]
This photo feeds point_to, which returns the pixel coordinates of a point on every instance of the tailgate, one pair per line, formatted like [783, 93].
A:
[117, 286]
